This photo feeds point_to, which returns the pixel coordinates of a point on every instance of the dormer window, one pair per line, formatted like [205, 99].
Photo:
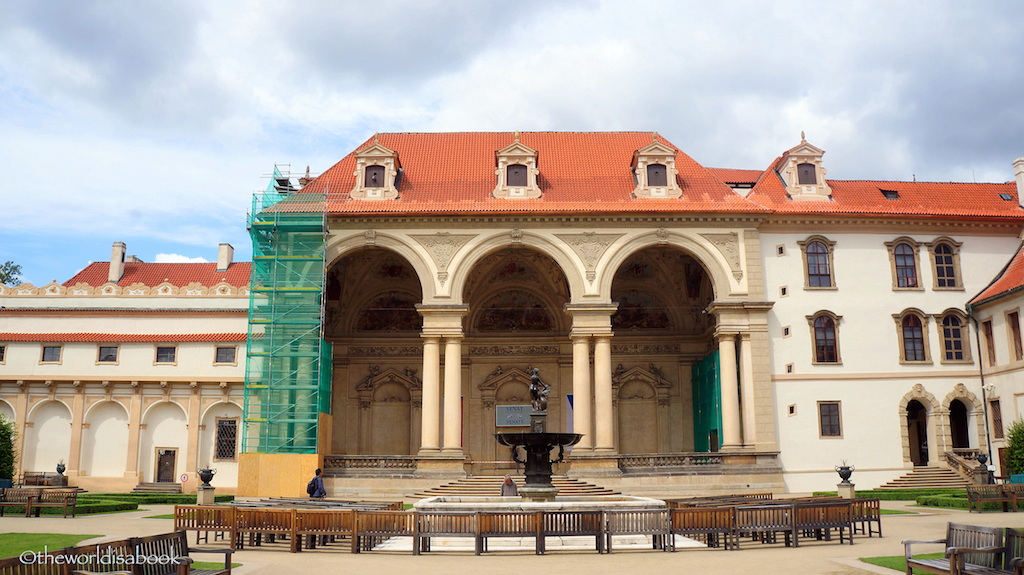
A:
[516, 169]
[657, 175]
[654, 169]
[377, 169]
[807, 174]
[802, 172]
[516, 176]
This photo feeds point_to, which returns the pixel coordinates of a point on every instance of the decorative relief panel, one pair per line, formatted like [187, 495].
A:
[589, 246]
[728, 245]
[442, 247]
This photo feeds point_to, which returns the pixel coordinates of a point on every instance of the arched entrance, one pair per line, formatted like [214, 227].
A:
[917, 432]
[958, 425]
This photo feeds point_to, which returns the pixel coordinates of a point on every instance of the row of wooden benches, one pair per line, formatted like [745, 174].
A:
[165, 554]
[722, 526]
[34, 499]
[1008, 494]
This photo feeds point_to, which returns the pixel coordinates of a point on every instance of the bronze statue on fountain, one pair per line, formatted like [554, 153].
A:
[537, 444]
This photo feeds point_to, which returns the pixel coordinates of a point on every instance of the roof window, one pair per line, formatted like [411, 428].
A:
[516, 171]
[890, 194]
[1006, 197]
[654, 169]
[377, 170]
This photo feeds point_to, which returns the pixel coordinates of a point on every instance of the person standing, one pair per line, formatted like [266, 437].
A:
[316, 489]
[508, 487]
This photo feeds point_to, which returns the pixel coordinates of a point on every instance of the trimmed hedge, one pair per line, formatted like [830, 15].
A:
[93, 503]
[903, 494]
[155, 498]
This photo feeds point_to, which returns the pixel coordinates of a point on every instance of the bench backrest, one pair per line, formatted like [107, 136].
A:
[39, 566]
[764, 517]
[204, 517]
[105, 557]
[566, 523]
[325, 521]
[430, 523]
[703, 520]
[960, 535]
[511, 523]
[264, 520]
[385, 522]
[18, 494]
[64, 496]
[157, 548]
[1014, 539]
[638, 521]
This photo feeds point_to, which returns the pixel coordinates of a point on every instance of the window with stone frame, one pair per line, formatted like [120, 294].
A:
[516, 176]
[807, 174]
[657, 175]
[226, 439]
[374, 176]
[945, 254]
[913, 337]
[829, 419]
[997, 418]
[955, 343]
[990, 341]
[51, 354]
[1013, 322]
[825, 335]
[818, 263]
[3, 353]
[106, 354]
[225, 354]
[166, 354]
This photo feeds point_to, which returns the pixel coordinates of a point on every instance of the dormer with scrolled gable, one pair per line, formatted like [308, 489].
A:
[654, 169]
[377, 171]
[802, 172]
[516, 169]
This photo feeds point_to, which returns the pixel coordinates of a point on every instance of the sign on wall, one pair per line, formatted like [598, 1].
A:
[512, 415]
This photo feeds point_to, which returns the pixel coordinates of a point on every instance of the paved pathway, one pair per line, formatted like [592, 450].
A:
[829, 558]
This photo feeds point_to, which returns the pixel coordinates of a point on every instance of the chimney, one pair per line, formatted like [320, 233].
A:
[1018, 172]
[225, 253]
[305, 179]
[116, 262]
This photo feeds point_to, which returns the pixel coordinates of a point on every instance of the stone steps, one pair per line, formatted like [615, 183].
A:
[162, 488]
[490, 486]
[928, 478]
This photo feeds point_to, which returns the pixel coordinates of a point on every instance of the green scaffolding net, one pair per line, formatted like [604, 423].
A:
[287, 376]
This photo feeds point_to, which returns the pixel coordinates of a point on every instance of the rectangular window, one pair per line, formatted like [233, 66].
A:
[990, 342]
[166, 354]
[227, 439]
[107, 354]
[51, 354]
[1014, 321]
[3, 353]
[225, 355]
[828, 416]
[997, 419]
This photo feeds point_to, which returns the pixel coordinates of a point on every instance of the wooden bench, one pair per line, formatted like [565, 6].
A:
[262, 525]
[653, 522]
[175, 546]
[970, 549]
[109, 558]
[979, 495]
[207, 519]
[63, 498]
[765, 522]
[573, 524]
[375, 527]
[715, 526]
[323, 525]
[867, 512]
[820, 518]
[511, 524]
[439, 524]
[18, 497]
[42, 564]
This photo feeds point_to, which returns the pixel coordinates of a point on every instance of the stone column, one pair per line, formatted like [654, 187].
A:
[192, 462]
[20, 419]
[603, 406]
[74, 466]
[134, 433]
[452, 395]
[747, 391]
[429, 440]
[582, 413]
[730, 393]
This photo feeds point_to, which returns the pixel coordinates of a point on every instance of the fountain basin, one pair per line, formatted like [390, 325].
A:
[468, 504]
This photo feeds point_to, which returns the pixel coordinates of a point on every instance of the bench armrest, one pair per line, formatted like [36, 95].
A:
[952, 551]
[227, 552]
[84, 572]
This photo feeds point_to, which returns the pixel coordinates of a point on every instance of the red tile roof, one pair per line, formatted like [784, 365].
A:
[123, 337]
[178, 275]
[580, 172]
[1010, 280]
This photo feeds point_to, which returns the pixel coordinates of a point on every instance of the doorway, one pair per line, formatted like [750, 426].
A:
[165, 465]
[958, 425]
[917, 432]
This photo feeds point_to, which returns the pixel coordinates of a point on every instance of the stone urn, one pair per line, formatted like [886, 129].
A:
[845, 471]
[205, 475]
[60, 467]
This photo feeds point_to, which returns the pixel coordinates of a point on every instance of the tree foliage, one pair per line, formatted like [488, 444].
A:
[9, 273]
[6, 448]
[1015, 448]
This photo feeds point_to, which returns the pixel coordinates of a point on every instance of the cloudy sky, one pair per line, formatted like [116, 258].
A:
[153, 123]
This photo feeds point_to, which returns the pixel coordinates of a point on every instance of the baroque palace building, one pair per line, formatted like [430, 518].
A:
[703, 328]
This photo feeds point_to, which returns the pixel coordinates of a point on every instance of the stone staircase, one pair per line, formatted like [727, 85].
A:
[490, 486]
[160, 488]
[928, 477]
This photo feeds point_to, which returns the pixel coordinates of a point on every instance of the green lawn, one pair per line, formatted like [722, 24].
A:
[899, 562]
[14, 544]
[168, 516]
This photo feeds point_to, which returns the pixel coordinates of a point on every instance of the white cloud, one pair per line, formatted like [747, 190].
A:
[178, 259]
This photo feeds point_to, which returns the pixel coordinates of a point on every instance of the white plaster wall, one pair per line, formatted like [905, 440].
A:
[128, 302]
[48, 441]
[227, 471]
[105, 441]
[165, 428]
[195, 361]
[7, 410]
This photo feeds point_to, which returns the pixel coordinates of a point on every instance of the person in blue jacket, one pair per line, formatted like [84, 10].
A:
[318, 486]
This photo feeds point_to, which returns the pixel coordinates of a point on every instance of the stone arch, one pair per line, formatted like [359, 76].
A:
[516, 290]
[462, 264]
[372, 291]
[338, 248]
[227, 468]
[47, 436]
[712, 260]
[7, 410]
[165, 429]
[105, 440]
[932, 408]
[975, 416]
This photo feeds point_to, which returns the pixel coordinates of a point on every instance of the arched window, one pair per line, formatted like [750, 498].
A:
[657, 175]
[913, 338]
[946, 264]
[826, 341]
[955, 345]
[516, 176]
[906, 266]
[819, 270]
[374, 177]
[807, 175]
